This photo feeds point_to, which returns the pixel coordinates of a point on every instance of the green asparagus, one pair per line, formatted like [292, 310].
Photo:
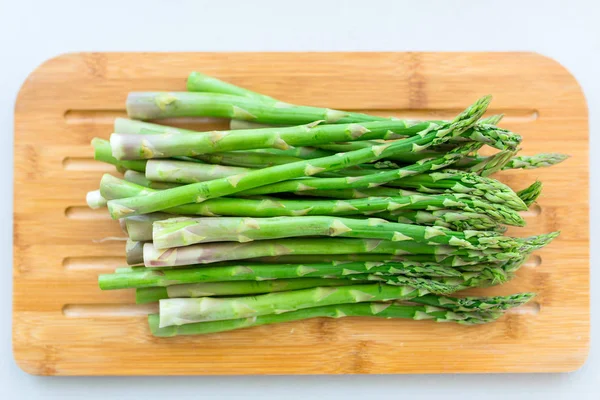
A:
[387, 310]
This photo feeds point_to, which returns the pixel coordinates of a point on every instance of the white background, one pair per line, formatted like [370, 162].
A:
[32, 31]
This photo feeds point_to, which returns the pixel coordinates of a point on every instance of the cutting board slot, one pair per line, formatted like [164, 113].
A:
[99, 263]
[108, 310]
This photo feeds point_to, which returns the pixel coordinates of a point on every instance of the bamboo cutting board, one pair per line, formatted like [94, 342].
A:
[64, 325]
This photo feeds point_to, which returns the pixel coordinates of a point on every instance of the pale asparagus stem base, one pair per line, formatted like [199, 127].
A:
[238, 288]
[190, 310]
[184, 231]
[202, 191]
[134, 252]
[95, 200]
[388, 310]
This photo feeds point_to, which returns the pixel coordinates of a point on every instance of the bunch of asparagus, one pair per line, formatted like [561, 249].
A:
[300, 212]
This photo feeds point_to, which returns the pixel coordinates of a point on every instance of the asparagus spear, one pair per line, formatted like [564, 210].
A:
[134, 252]
[215, 252]
[184, 231]
[239, 288]
[375, 309]
[199, 192]
[139, 277]
[198, 82]
[181, 172]
[190, 310]
[530, 194]
[153, 105]
[115, 188]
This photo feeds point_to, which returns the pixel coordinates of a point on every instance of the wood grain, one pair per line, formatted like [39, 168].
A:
[64, 325]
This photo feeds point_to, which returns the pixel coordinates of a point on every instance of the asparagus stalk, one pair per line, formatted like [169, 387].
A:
[530, 194]
[190, 310]
[202, 191]
[134, 253]
[140, 277]
[239, 288]
[184, 231]
[236, 124]
[375, 309]
[462, 182]
[115, 188]
[95, 200]
[153, 105]
[182, 172]
[198, 82]
[215, 252]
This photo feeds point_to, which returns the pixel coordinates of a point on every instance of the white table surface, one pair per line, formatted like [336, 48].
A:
[32, 31]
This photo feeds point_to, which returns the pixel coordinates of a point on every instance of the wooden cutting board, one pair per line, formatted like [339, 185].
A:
[64, 325]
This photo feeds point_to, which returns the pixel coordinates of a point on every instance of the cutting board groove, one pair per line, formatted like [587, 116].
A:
[64, 325]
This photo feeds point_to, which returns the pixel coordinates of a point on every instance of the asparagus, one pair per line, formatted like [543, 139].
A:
[154, 105]
[181, 172]
[530, 194]
[140, 277]
[190, 310]
[152, 294]
[198, 82]
[202, 191]
[184, 231]
[215, 252]
[115, 188]
[375, 309]
[462, 182]
[140, 179]
[95, 200]
[134, 252]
